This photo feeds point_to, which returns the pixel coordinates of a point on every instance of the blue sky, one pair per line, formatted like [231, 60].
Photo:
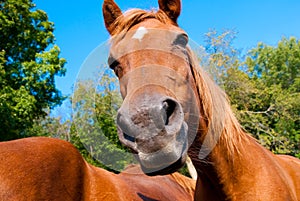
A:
[79, 26]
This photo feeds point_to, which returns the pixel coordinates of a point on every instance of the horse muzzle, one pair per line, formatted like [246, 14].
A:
[153, 126]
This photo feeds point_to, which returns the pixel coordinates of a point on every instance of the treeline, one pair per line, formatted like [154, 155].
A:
[263, 86]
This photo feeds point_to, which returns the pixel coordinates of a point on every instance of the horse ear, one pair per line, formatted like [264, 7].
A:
[111, 12]
[171, 7]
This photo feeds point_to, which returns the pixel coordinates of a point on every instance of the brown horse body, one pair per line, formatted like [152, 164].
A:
[159, 77]
[49, 169]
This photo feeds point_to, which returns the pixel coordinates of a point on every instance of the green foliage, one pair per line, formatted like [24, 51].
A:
[277, 72]
[222, 55]
[49, 127]
[28, 66]
[108, 102]
[95, 106]
[76, 141]
[263, 90]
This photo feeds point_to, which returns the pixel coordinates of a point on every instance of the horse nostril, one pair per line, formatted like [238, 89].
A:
[128, 137]
[169, 107]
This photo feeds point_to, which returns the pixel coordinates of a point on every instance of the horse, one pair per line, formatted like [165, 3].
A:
[172, 108]
[41, 168]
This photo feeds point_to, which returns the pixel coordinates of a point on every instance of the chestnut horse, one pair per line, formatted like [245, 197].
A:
[38, 169]
[172, 108]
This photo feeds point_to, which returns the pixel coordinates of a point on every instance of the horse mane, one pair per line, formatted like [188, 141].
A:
[135, 16]
[223, 126]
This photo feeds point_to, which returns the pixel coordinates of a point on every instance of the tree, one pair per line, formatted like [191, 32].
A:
[276, 72]
[50, 126]
[94, 133]
[29, 63]
[222, 56]
[108, 101]
[263, 88]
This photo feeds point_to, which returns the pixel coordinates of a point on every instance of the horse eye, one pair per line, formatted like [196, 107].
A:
[181, 40]
[112, 62]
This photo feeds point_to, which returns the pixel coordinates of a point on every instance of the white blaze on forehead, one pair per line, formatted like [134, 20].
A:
[140, 33]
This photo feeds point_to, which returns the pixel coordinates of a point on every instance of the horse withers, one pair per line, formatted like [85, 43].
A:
[172, 108]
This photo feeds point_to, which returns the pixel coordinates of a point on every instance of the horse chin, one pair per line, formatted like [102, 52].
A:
[165, 161]
[167, 170]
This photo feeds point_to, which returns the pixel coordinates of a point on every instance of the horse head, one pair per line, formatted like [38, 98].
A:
[149, 53]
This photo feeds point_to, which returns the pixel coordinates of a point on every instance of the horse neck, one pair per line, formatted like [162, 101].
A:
[221, 163]
[235, 164]
[226, 174]
[220, 140]
[224, 169]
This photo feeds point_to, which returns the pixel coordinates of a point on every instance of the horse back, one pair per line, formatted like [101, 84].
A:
[175, 187]
[40, 169]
